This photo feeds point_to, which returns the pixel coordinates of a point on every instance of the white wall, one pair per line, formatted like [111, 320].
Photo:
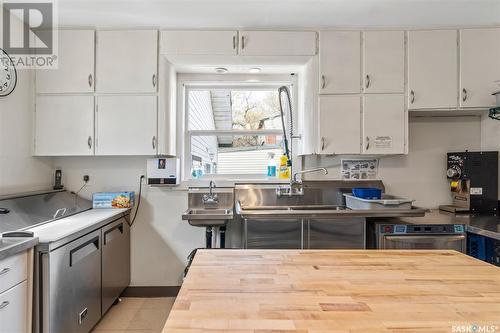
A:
[160, 240]
[19, 171]
[490, 137]
[420, 175]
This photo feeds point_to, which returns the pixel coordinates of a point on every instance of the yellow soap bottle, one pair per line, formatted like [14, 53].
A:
[284, 169]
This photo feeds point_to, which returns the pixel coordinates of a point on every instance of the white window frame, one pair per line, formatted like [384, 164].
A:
[190, 82]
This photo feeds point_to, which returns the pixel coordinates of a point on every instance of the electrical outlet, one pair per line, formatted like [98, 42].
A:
[86, 178]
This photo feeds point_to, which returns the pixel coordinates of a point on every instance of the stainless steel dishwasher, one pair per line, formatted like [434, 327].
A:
[433, 236]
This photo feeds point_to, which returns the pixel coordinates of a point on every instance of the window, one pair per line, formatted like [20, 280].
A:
[232, 130]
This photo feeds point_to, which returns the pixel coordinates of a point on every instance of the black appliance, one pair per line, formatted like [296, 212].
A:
[473, 178]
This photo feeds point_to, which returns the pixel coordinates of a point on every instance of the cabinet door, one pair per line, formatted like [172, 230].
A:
[75, 70]
[75, 285]
[277, 43]
[384, 125]
[115, 261]
[64, 125]
[199, 42]
[345, 233]
[340, 62]
[14, 309]
[479, 66]
[432, 69]
[126, 125]
[127, 61]
[340, 124]
[280, 234]
[384, 62]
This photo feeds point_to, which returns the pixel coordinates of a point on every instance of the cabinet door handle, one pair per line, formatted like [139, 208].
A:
[464, 94]
[234, 42]
[5, 271]
[242, 42]
[367, 85]
[4, 304]
[154, 80]
[89, 142]
[412, 94]
[83, 250]
[367, 143]
[91, 80]
[153, 142]
[323, 82]
[322, 143]
[109, 235]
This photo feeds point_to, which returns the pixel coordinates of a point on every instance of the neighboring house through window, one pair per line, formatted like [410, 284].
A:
[232, 130]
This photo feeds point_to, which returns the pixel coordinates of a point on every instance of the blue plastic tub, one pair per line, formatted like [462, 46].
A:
[367, 193]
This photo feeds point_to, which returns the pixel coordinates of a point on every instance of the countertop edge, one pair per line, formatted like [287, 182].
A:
[18, 245]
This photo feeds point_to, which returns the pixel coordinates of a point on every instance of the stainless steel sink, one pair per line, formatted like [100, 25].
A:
[200, 217]
[297, 207]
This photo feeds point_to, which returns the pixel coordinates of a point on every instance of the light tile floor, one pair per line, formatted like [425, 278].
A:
[133, 315]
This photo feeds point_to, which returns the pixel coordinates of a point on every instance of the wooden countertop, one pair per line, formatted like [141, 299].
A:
[336, 291]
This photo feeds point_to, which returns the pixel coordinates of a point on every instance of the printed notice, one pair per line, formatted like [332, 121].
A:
[359, 169]
[476, 191]
[383, 141]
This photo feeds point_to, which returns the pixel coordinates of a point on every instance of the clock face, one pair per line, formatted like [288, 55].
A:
[8, 74]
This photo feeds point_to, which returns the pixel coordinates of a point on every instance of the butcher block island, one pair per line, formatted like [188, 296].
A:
[337, 291]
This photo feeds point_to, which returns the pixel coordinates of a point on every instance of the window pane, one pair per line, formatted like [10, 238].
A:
[247, 154]
[227, 109]
[254, 110]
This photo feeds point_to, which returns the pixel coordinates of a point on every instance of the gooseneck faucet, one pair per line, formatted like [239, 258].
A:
[211, 198]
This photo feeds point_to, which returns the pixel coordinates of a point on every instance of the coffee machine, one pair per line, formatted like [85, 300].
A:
[473, 178]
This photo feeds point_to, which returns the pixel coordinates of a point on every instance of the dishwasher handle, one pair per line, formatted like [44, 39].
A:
[112, 233]
[83, 250]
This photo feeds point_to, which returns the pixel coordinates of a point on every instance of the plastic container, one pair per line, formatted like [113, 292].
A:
[367, 193]
[386, 202]
[271, 166]
[284, 169]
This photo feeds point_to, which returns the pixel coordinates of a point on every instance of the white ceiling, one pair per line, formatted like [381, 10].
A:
[278, 13]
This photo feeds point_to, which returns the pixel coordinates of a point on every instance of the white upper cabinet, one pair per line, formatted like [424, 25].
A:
[384, 62]
[75, 71]
[340, 62]
[384, 124]
[479, 66]
[126, 125]
[64, 125]
[277, 43]
[340, 124]
[432, 69]
[127, 61]
[182, 42]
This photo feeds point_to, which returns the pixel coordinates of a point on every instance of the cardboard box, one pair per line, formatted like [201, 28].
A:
[113, 200]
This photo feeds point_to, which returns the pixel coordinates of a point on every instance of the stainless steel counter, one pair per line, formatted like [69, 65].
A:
[321, 211]
[486, 225]
[11, 246]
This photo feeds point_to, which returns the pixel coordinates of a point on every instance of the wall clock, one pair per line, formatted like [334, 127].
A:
[8, 74]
